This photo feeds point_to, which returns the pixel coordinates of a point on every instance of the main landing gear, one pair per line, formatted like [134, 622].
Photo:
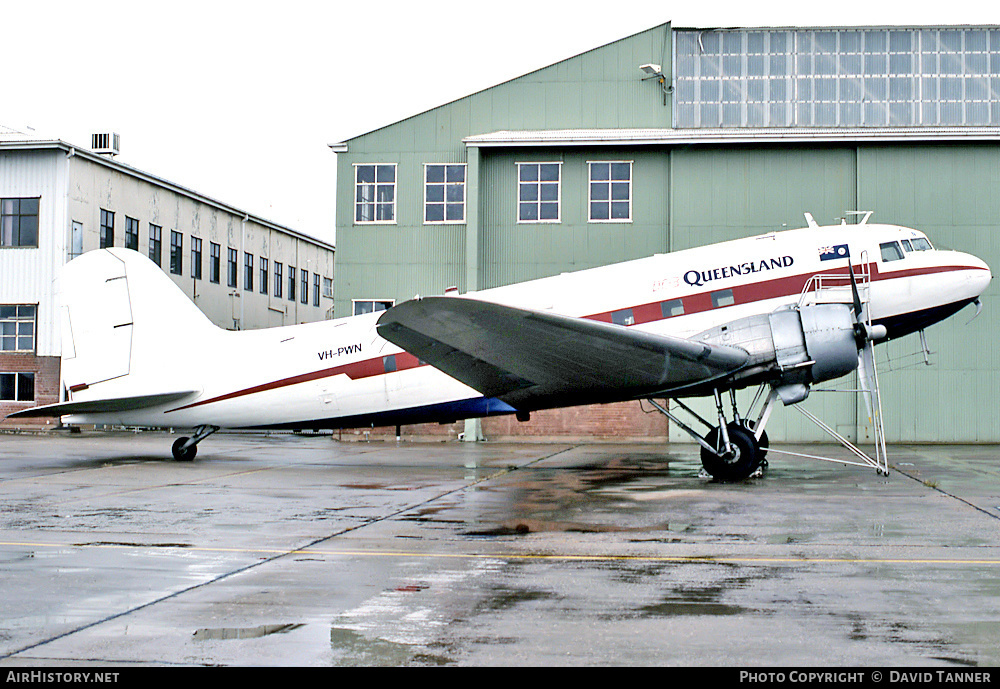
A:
[184, 449]
[732, 450]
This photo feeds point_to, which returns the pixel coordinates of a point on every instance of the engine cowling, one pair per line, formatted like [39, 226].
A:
[792, 347]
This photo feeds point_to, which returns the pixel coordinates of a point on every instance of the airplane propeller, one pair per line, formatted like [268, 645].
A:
[865, 334]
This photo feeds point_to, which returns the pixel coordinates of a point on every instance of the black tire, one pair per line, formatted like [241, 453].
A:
[762, 444]
[183, 455]
[740, 464]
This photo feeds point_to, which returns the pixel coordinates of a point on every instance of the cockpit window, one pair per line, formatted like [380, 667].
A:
[921, 244]
[891, 251]
[907, 247]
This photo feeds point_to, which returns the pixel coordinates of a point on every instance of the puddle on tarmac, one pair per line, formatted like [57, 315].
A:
[226, 633]
[358, 650]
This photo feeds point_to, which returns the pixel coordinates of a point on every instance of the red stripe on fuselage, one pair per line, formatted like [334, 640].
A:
[643, 313]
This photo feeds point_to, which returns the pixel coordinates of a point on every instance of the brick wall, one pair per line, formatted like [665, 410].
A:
[46, 370]
[624, 421]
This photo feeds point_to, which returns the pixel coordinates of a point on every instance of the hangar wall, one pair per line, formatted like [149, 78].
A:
[694, 190]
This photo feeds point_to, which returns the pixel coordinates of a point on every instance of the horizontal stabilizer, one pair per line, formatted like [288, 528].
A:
[118, 404]
[531, 359]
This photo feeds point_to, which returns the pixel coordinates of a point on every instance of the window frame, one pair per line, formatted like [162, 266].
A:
[537, 202]
[196, 257]
[610, 182]
[176, 253]
[214, 262]
[232, 267]
[376, 185]
[18, 377]
[156, 244]
[355, 302]
[17, 320]
[7, 219]
[263, 275]
[291, 283]
[278, 278]
[445, 184]
[247, 271]
[304, 286]
[131, 233]
[107, 238]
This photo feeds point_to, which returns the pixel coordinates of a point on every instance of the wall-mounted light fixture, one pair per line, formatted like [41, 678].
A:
[654, 71]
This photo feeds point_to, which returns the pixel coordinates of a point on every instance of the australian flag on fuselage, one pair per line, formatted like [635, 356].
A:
[829, 253]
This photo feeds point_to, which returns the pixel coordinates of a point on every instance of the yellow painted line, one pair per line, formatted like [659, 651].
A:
[697, 559]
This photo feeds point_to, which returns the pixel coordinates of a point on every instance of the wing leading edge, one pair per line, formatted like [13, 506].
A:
[533, 359]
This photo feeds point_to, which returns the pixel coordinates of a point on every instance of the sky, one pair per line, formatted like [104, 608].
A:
[239, 100]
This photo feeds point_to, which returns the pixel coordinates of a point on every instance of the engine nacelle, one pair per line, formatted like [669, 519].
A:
[792, 346]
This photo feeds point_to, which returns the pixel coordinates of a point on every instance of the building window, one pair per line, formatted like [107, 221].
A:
[315, 289]
[176, 257]
[304, 274]
[107, 229]
[17, 327]
[444, 193]
[375, 194]
[214, 262]
[328, 288]
[156, 244]
[18, 222]
[17, 387]
[864, 77]
[248, 272]
[196, 258]
[232, 267]
[277, 279]
[131, 233]
[611, 191]
[360, 306]
[291, 283]
[538, 192]
[263, 275]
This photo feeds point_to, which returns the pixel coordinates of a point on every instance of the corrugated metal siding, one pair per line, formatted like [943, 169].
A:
[950, 192]
[29, 275]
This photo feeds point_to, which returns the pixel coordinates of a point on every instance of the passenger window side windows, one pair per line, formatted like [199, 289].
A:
[891, 252]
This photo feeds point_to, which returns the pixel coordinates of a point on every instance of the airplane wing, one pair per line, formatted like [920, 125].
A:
[531, 359]
[117, 404]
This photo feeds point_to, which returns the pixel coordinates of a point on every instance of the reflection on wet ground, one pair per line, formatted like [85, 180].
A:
[301, 551]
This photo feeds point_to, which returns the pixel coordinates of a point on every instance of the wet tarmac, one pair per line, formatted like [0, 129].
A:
[304, 551]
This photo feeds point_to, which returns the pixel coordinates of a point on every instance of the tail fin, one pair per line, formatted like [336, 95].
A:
[124, 322]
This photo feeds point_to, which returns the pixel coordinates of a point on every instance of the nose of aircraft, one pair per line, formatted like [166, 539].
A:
[978, 275]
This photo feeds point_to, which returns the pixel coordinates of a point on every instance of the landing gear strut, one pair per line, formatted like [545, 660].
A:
[185, 449]
[732, 450]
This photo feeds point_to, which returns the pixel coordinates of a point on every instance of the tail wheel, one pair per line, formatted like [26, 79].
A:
[182, 455]
[737, 464]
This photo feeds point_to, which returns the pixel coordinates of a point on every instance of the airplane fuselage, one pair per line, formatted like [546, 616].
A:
[341, 373]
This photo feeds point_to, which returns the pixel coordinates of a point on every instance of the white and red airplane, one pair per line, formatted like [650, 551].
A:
[782, 311]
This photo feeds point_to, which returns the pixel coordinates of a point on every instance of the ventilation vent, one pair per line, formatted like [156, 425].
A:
[105, 144]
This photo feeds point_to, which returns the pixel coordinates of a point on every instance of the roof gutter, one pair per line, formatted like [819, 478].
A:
[667, 137]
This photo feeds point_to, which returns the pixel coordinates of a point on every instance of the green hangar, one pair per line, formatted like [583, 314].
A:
[678, 137]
